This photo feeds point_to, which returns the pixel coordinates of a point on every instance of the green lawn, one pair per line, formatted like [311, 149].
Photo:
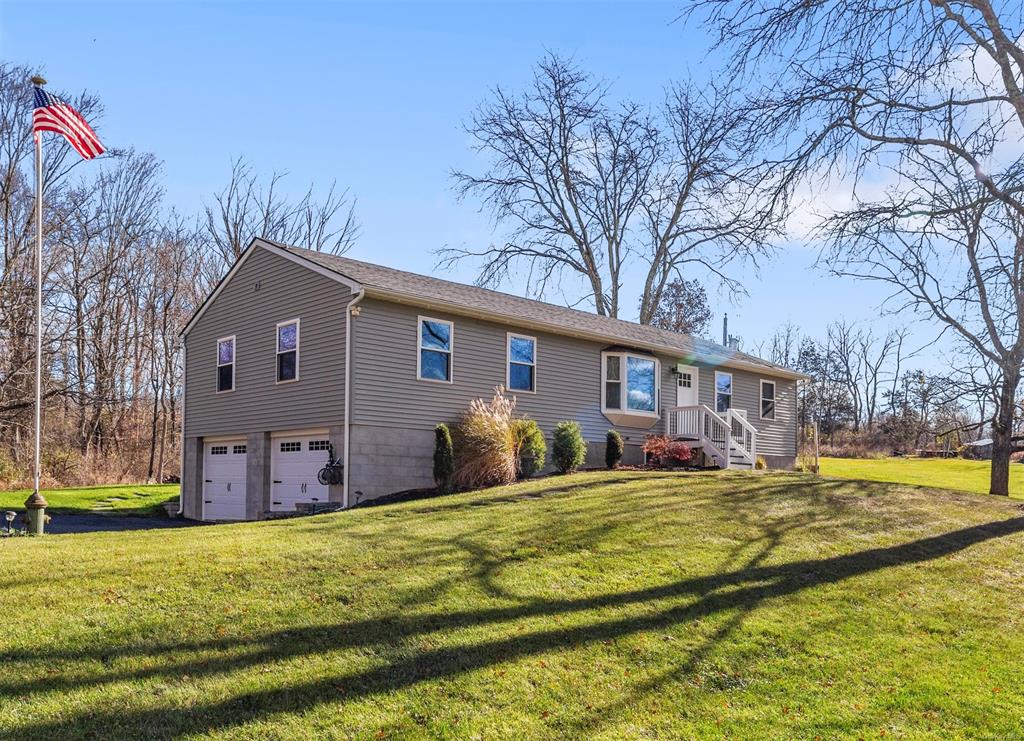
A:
[952, 473]
[601, 605]
[133, 499]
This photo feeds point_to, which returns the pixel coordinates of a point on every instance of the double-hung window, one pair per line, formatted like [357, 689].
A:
[723, 391]
[630, 384]
[288, 351]
[434, 350]
[767, 399]
[522, 363]
[226, 364]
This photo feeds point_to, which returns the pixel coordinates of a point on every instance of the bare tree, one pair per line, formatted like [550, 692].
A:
[249, 207]
[782, 347]
[585, 187]
[878, 357]
[683, 307]
[925, 96]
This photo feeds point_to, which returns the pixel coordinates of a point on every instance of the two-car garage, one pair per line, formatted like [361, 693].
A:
[295, 460]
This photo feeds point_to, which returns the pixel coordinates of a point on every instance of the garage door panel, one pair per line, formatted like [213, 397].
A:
[224, 469]
[295, 463]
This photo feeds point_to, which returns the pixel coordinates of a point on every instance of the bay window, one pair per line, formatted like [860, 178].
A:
[630, 387]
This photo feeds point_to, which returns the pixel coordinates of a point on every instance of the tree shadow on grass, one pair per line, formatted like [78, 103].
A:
[740, 589]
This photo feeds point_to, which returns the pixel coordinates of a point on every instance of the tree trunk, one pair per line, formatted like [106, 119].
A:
[1002, 434]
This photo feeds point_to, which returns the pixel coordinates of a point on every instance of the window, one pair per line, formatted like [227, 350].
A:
[238, 450]
[522, 363]
[319, 445]
[219, 450]
[288, 351]
[613, 382]
[435, 350]
[631, 383]
[767, 399]
[226, 364]
[291, 447]
[723, 391]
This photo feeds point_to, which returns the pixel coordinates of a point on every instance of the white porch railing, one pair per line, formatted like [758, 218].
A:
[744, 436]
[724, 437]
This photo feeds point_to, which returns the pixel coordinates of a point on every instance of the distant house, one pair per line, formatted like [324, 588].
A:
[979, 449]
[296, 353]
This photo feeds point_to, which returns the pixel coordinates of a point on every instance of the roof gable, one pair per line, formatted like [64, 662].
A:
[273, 249]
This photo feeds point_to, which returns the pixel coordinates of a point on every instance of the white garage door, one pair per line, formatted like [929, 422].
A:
[224, 480]
[294, 464]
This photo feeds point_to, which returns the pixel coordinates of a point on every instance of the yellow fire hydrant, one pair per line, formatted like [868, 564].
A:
[36, 506]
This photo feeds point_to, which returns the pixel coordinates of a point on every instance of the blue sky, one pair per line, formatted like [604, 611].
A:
[373, 96]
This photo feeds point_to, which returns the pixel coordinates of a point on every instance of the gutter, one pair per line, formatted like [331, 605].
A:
[348, 392]
[181, 472]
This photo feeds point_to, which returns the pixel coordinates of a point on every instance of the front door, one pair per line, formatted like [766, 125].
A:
[686, 386]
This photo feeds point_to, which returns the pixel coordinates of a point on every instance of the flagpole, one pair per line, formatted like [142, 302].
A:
[36, 501]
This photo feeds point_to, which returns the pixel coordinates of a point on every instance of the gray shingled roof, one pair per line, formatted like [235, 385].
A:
[412, 287]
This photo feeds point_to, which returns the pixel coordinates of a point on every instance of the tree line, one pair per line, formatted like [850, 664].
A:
[869, 396]
[122, 273]
[915, 108]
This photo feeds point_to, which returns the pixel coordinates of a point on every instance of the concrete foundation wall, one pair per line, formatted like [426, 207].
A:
[257, 475]
[388, 459]
[384, 460]
[192, 478]
[784, 462]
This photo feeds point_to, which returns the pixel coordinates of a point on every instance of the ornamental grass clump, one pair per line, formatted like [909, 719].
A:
[485, 446]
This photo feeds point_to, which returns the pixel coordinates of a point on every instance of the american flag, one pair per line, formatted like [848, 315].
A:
[53, 114]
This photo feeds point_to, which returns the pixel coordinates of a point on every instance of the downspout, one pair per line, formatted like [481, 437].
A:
[181, 472]
[348, 389]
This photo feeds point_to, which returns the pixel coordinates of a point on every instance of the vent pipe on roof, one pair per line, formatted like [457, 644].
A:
[725, 330]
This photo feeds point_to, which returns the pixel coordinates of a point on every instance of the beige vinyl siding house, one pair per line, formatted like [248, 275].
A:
[256, 448]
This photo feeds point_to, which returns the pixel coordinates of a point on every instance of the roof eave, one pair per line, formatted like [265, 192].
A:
[560, 329]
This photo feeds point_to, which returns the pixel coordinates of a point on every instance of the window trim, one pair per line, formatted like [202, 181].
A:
[233, 364]
[732, 389]
[624, 382]
[775, 400]
[278, 352]
[509, 362]
[419, 349]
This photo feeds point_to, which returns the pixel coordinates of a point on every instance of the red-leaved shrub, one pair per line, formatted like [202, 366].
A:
[662, 451]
